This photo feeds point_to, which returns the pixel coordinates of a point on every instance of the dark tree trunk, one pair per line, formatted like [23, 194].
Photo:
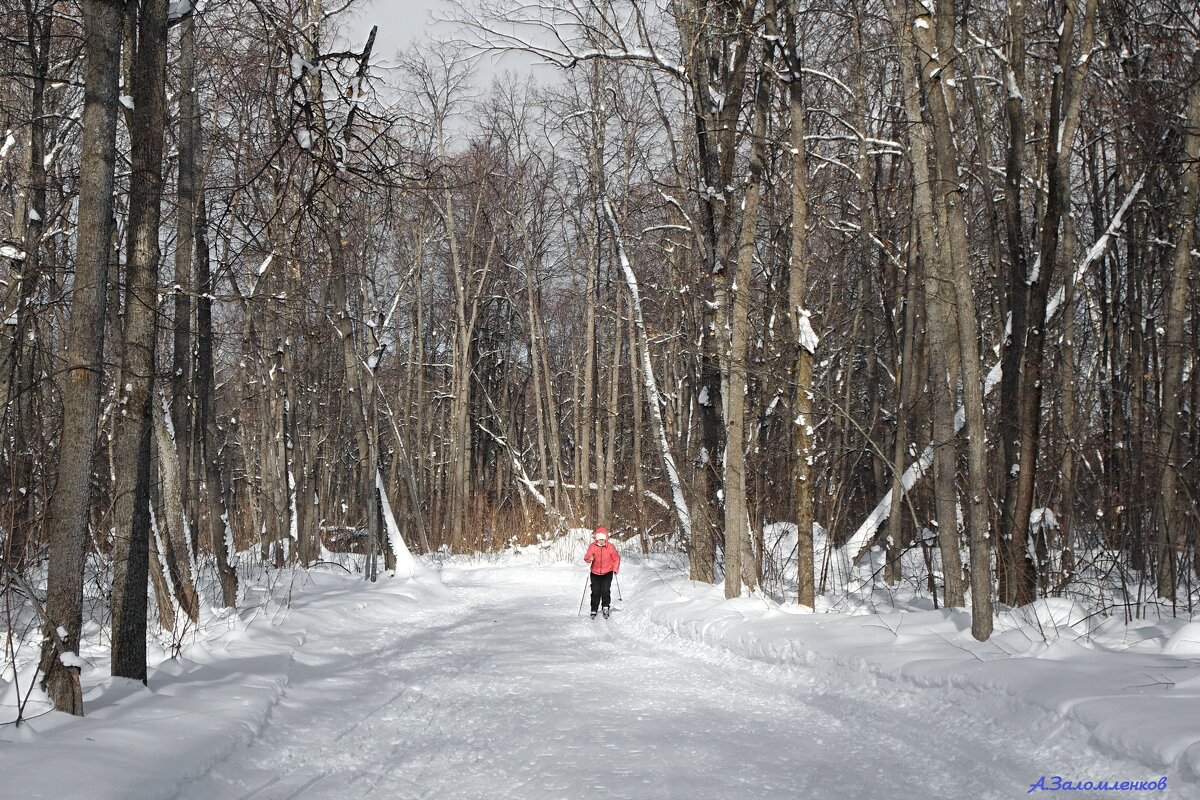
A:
[132, 445]
[23, 350]
[70, 504]
[185, 245]
[223, 546]
[1174, 500]
[1013, 570]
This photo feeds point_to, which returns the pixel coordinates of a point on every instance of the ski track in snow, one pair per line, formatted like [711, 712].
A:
[507, 694]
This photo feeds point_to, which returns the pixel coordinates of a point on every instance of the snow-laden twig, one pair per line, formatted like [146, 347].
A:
[519, 468]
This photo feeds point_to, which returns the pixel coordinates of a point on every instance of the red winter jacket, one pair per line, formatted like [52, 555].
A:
[603, 558]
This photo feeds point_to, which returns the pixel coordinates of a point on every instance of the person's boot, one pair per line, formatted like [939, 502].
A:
[594, 615]
[606, 612]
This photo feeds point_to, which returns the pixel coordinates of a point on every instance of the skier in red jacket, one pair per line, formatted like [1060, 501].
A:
[606, 562]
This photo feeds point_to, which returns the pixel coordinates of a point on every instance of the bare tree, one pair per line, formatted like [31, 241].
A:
[67, 515]
[1174, 502]
[131, 446]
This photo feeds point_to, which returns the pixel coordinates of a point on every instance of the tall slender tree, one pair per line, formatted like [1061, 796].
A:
[70, 504]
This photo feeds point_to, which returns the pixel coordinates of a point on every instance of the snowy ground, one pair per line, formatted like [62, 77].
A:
[490, 686]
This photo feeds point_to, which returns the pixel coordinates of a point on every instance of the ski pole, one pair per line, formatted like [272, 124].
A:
[617, 578]
[586, 580]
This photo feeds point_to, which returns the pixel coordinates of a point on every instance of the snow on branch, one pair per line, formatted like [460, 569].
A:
[831, 78]
[808, 337]
[519, 468]
[9, 141]
[565, 33]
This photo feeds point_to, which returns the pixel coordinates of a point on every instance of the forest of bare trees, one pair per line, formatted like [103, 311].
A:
[917, 276]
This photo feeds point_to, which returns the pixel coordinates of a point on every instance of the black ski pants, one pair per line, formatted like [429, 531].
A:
[601, 590]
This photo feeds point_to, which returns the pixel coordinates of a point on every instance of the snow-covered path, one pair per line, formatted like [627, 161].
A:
[507, 694]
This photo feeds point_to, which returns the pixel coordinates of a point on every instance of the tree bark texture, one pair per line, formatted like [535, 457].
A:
[131, 448]
[70, 504]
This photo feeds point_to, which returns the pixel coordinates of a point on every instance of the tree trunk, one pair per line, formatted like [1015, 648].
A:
[1071, 436]
[219, 526]
[177, 544]
[131, 457]
[587, 409]
[555, 444]
[460, 431]
[1174, 500]
[739, 565]
[180, 385]
[164, 593]
[957, 264]
[612, 414]
[23, 350]
[1012, 564]
[905, 388]
[1065, 103]
[68, 512]
[639, 480]
[939, 314]
[653, 398]
[717, 39]
[804, 340]
[541, 407]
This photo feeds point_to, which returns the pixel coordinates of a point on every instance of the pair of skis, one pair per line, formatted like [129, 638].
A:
[586, 582]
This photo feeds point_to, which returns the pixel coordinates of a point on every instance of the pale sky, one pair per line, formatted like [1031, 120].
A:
[399, 21]
[402, 21]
